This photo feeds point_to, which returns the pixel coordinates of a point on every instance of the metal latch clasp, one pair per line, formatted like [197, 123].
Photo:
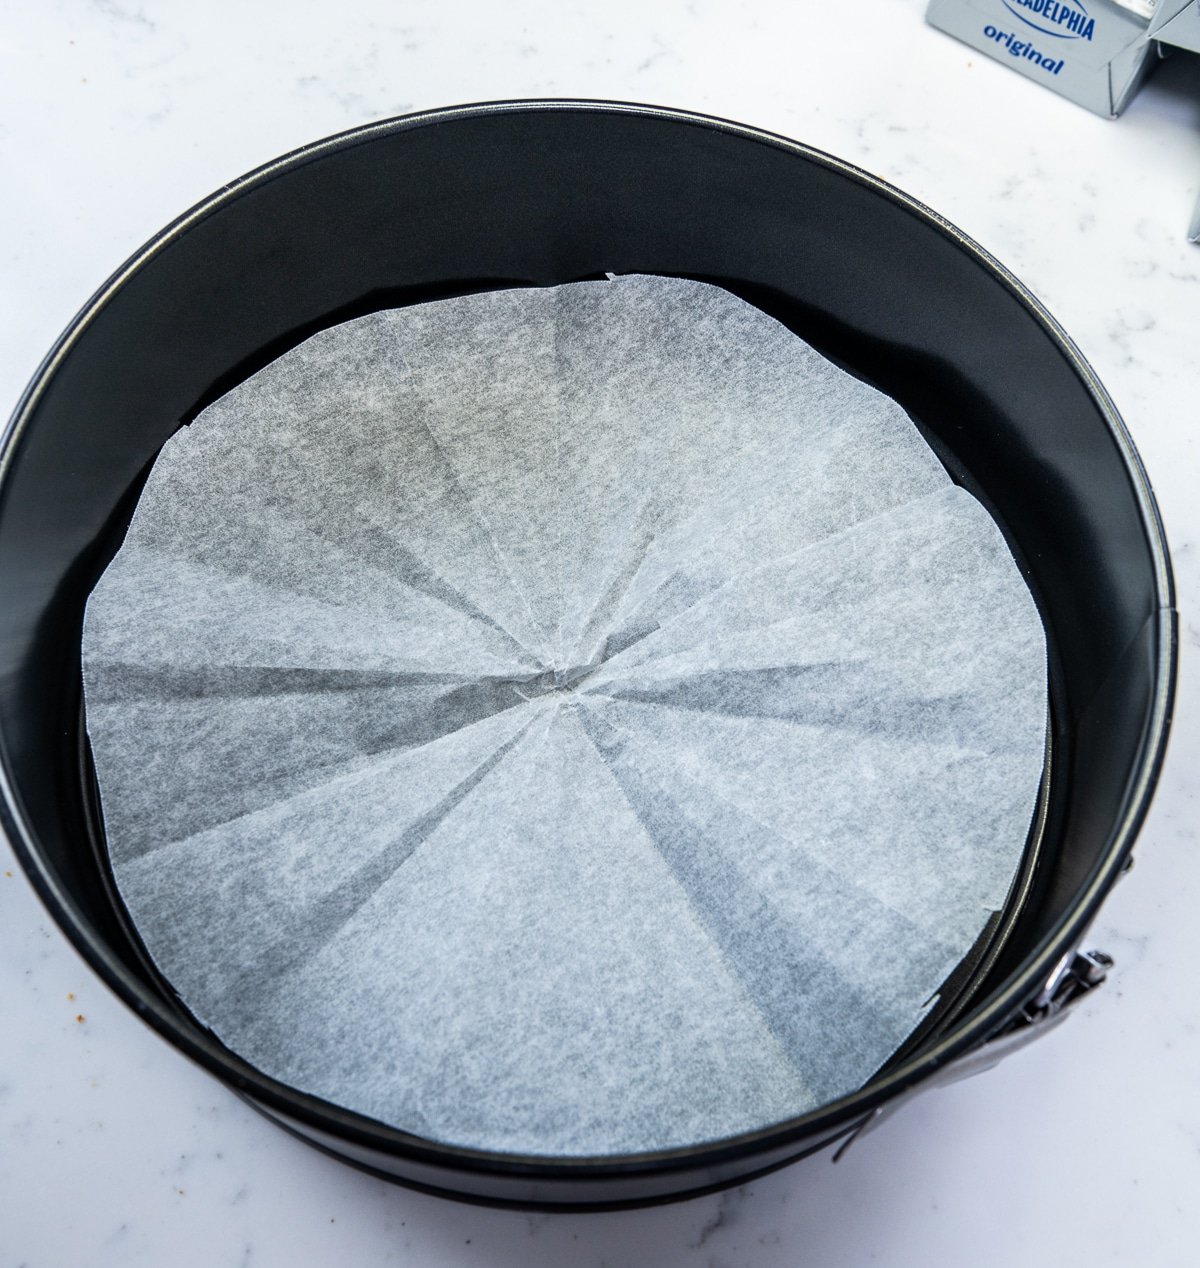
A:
[1075, 974]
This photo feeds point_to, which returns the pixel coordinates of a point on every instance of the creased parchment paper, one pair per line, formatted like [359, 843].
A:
[564, 721]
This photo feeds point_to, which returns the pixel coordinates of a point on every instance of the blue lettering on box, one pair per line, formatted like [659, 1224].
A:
[1023, 49]
[1062, 19]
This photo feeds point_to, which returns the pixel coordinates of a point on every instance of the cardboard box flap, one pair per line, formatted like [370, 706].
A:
[1177, 22]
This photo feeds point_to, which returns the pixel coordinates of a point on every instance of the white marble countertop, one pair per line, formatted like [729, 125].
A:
[115, 115]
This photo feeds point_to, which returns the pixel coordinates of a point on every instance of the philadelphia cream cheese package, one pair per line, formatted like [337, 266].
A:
[1096, 52]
